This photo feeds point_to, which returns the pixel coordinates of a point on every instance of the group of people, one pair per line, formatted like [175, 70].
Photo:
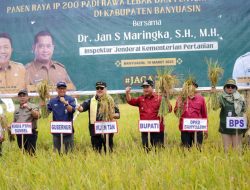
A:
[15, 76]
[62, 107]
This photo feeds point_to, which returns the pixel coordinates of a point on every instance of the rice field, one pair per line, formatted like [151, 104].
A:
[128, 167]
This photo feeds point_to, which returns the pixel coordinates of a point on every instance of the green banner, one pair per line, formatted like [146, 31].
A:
[122, 42]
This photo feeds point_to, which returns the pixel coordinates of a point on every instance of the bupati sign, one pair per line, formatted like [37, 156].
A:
[193, 124]
[151, 34]
[21, 128]
[149, 126]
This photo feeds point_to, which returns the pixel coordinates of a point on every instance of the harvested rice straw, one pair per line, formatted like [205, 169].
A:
[43, 91]
[215, 71]
[188, 89]
[107, 107]
[165, 84]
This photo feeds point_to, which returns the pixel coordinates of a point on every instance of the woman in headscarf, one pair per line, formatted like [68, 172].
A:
[232, 104]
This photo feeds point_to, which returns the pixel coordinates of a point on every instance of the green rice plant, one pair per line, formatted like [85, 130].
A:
[128, 167]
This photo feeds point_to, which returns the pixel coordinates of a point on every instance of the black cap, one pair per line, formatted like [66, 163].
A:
[23, 91]
[148, 83]
[100, 83]
[61, 84]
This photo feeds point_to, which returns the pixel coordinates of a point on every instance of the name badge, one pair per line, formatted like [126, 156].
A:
[105, 127]
[61, 127]
[236, 123]
[149, 126]
[193, 124]
[21, 128]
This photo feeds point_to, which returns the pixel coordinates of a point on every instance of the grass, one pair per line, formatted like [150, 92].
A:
[128, 167]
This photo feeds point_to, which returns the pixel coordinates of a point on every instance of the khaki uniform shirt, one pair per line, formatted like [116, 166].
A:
[36, 72]
[12, 79]
[24, 115]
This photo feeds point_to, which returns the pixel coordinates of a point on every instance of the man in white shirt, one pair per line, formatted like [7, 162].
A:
[241, 71]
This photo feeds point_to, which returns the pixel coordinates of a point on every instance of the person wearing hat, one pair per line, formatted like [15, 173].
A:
[92, 106]
[193, 106]
[27, 112]
[149, 105]
[232, 104]
[62, 107]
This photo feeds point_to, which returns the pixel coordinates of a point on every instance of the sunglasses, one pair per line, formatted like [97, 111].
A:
[230, 86]
[99, 88]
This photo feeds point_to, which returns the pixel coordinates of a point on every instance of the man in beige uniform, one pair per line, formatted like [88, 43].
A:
[12, 74]
[43, 67]
[27, 112]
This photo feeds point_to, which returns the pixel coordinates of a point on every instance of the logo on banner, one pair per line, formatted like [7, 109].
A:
[192, 124]
[149, 126]
[21, 128]
[105, 127]
[236, 123]
[61, 127]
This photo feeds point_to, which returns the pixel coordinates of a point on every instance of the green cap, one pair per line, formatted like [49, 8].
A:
[231, 82]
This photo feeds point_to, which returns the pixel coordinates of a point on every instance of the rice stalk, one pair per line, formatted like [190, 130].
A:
[107, 107]
[43, 91]
[188, 90]
[165, 84]
[215, 72]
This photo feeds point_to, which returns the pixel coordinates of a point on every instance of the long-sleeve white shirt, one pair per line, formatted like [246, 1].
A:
[242, 69]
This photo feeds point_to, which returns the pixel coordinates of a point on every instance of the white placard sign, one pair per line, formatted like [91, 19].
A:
[149, 126]
[236, 123]
[61, 127]
[21, 128]
[105, 127]
[194, 124]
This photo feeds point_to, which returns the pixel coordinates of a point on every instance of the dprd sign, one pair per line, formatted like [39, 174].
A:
[193, 124]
